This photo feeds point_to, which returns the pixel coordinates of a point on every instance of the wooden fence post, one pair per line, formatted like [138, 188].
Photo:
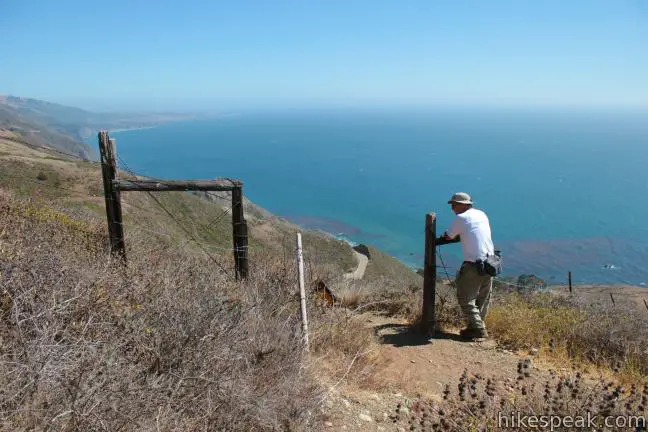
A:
[302, 290]
[646, 303]
[612, 297]
[570, 282]
[428, 318]
[240, 234]
[112, 195]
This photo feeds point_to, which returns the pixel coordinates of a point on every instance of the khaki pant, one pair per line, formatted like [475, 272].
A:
[473, 294]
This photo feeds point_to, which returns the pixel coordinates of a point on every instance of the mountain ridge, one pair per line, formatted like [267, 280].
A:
[65, 127]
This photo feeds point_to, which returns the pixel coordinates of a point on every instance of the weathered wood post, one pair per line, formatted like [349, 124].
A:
[240, 234]
[428, 318]
[570, 282]
[646, 303]
[302, 291]
[612, 298]
[112, 195]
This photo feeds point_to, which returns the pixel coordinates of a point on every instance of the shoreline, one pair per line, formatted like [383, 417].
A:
[159, 123]
[95, 132]
[118, 130]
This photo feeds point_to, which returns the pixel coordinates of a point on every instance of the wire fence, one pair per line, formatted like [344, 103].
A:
[203, 246]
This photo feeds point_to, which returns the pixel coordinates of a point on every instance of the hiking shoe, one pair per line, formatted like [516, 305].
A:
[473, 334]
[466, 331]
[469, 331]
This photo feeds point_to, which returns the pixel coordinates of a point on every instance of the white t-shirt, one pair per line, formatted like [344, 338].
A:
[473, 228]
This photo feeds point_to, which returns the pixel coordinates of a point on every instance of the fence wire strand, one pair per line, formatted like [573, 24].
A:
[194, 221]
[179, 224]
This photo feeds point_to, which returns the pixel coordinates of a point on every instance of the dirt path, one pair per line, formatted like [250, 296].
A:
[410, 366]
[359, 272]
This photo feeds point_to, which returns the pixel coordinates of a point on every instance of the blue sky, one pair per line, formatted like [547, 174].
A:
[214, 54]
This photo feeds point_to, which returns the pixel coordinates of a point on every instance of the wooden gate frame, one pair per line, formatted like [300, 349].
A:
[113, 188]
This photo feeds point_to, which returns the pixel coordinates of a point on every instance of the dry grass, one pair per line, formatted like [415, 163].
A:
[532, 321]
[408, 305]
[168, 343]
[350, 294]
[610, 337]
[346, 350]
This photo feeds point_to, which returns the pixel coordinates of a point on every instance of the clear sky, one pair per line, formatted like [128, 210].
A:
[194, 54]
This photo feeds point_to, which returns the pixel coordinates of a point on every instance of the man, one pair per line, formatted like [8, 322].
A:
[473, 284]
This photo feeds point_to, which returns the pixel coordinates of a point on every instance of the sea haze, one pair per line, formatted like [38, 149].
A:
[564, 189]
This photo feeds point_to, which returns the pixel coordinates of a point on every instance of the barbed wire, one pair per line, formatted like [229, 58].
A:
[194, 221]
[200, 244]
[123, 166]
[503, 281]
[188, 233]
[206, 244]
[213, 193]
[444, 266]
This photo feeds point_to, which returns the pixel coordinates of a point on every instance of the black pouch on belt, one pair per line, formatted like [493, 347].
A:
[481, 267]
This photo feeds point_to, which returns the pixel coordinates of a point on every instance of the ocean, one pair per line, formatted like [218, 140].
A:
[565, 190]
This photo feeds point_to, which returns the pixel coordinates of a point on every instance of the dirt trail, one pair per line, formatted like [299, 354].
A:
[410, 366]
[359, 272]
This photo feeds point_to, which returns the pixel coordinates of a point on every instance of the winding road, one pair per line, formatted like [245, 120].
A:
[359, 272]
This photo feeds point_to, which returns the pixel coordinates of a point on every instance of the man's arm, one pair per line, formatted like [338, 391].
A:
[454, 230]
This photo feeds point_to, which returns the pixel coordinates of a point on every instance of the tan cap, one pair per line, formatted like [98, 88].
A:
[460, 198]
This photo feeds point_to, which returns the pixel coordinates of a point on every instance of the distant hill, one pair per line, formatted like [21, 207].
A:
[66, 127]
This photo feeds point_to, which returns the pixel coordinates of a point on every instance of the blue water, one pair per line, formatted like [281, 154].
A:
[564, 190]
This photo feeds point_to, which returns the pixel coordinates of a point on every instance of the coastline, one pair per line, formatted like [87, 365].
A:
[87, 132]
[94, 132]
[127, 129]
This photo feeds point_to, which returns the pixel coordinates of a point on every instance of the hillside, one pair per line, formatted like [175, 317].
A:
[65, 127]
[40, 134]
[173, 342]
